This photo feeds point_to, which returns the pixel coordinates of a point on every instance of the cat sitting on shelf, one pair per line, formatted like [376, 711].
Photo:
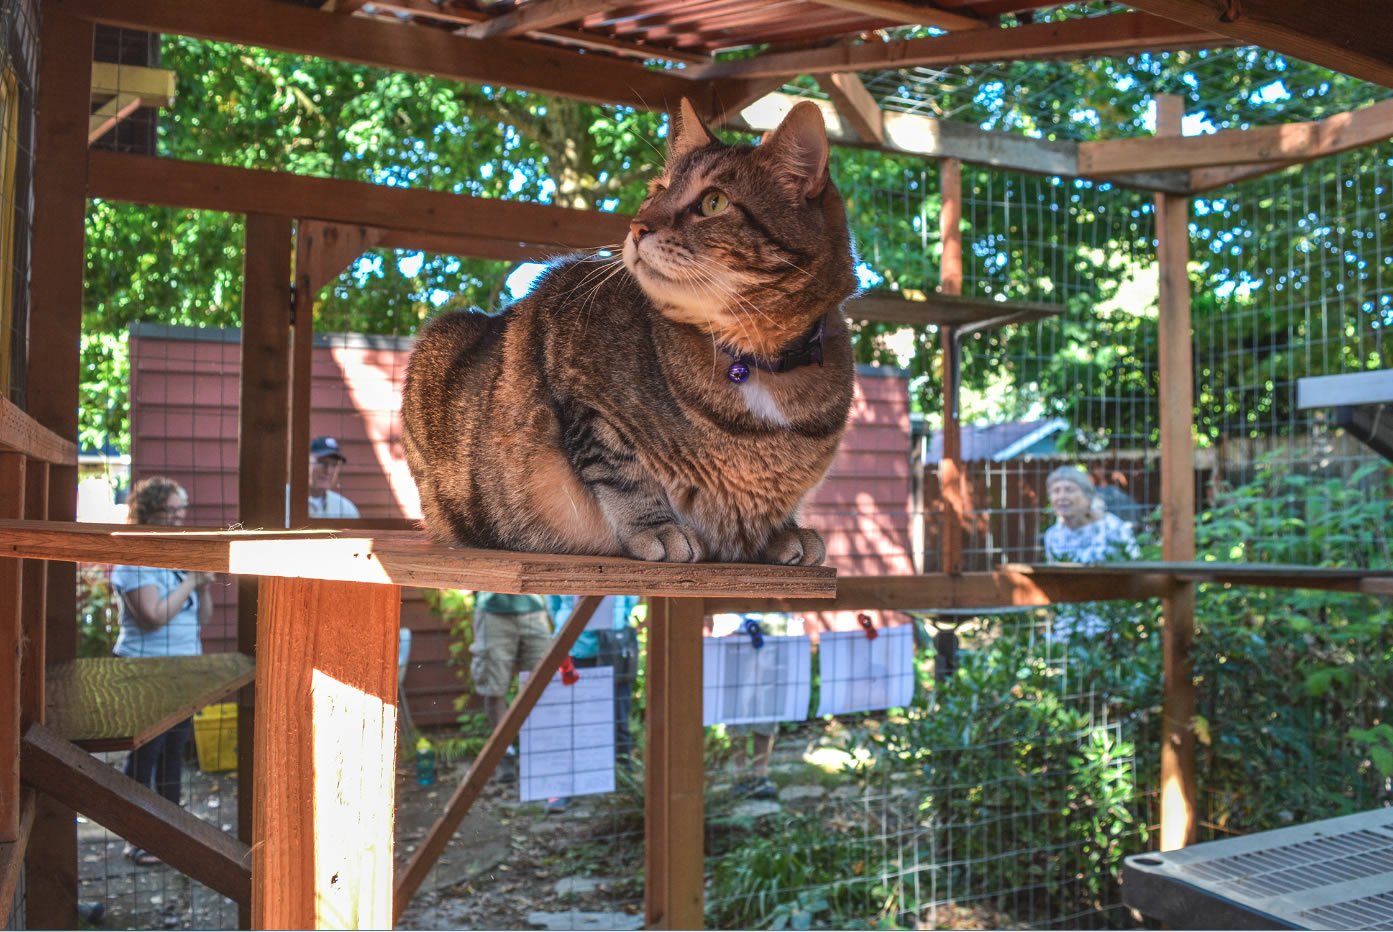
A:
[676, 404]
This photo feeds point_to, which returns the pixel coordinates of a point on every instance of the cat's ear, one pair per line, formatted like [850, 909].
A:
[799, 146]
[686, 133]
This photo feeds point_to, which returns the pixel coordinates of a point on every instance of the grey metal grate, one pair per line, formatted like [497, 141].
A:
[1301, 866]
[1370, 912]
[1333, 874]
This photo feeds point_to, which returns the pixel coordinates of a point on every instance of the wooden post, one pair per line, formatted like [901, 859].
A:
[952, 487]
[262, 451]
[34, 583]
[322, 252]
[12, 493]
[55, 326]
[1178, 809]
[674, 819]
[326, 688]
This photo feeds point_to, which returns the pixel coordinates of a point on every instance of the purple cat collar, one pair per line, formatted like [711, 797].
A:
[803, 351]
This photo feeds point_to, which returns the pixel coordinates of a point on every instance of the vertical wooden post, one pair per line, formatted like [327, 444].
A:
[55, 327]
[951, 481]
[262, 450]
[1178, 803]
[674, 817]
[12, 493]
[326, 687]
[301, 379]
[35, 580]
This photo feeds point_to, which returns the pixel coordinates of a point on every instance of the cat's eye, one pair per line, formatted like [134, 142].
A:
[712, 203]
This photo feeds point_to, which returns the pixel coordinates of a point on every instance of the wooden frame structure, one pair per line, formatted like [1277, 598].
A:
[297, 864]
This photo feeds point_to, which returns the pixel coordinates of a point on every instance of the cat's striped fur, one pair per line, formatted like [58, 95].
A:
[595, 415]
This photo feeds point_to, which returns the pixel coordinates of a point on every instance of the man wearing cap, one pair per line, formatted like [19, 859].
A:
[1084, 532]
[326, 462]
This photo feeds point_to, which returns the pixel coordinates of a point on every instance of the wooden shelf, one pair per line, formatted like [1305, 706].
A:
[404, 558]
[1280, 575]
[119, 703]
[947, 310]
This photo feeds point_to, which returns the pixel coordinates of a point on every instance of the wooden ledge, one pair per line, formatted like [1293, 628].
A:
[945, 310]
[403, 558]
[20, 433]
[1017, 585]
[119, 703]
[1275, 575]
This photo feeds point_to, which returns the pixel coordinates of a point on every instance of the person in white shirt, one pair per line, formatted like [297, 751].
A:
[326, 466]
[1083, 532]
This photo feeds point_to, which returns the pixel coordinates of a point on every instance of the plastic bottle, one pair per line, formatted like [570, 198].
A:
[425, 762]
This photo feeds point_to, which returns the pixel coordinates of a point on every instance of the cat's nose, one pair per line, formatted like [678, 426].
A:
[637, 228]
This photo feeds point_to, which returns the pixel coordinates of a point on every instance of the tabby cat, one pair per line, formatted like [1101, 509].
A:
[677, 404]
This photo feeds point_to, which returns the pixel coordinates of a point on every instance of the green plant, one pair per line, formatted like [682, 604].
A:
[97, 611]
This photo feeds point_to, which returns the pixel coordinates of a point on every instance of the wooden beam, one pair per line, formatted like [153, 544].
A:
[1024, 586]
[673, 824]
[326, 755]
[910, 14]
[400, 558]
[32, 680]
[943, 309]
[1179, 813]
[1286, 144]
[428, 10]
[855, 104]
[953, 484]
[55, 327]
[323, 251]
[1098, 36]
[12, 494]
[537, 15]
[399, 47]
[1207, 179]
[263, 450]
[105, 117]
[439, 834]
[915, 134]
[135, 812]
[473, 247]
[144, 179]
[12, 853]
[20, 433]
[1351, 36]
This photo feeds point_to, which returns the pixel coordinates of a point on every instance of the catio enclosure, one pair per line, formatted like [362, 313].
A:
[1124, 249]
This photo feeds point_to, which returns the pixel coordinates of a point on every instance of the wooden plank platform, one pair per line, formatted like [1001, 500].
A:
[404, 558]
[1277, 575]
[119, 703]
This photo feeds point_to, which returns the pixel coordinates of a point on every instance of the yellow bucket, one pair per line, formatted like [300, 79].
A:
[215, 734]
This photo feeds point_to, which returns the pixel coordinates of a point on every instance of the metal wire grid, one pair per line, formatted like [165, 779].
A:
[1294, 282]
[18, 79]
[1086, 249]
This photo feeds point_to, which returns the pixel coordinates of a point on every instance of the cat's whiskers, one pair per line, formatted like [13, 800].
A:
[588, 301]
[794, 264]
[718, 288]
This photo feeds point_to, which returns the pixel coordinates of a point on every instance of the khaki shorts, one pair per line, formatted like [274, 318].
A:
[504, 644]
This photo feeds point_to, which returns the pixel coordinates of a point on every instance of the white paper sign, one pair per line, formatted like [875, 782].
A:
[567, 743]
[864, 675]
[742, 684]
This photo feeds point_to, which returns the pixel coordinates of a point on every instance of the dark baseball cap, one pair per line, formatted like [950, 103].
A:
[321, 447]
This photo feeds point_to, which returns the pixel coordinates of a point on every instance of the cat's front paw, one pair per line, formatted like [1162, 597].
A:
[796, 546]
[667, 543]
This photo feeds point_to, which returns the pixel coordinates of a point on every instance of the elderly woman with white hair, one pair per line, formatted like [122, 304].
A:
[1083, 532]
